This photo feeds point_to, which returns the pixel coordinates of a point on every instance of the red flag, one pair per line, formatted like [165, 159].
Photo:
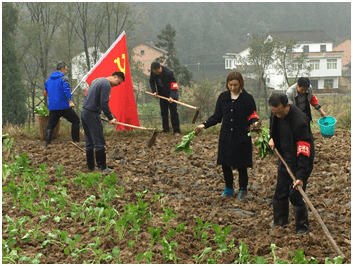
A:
[122, 99]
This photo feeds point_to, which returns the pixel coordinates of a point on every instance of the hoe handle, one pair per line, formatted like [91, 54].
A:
[181, 103]
[316, 214]
[127, 125]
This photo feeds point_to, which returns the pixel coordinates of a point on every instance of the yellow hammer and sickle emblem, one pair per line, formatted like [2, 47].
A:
[117, 61]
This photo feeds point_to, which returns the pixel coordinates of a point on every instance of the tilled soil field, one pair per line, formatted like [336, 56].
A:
[191, 186]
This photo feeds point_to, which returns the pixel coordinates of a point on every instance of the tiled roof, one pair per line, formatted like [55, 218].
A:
[305, 36]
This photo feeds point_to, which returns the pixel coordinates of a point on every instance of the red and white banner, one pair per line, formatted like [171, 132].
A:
[122, 99]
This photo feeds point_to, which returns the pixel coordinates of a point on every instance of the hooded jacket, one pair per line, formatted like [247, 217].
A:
[58, 91]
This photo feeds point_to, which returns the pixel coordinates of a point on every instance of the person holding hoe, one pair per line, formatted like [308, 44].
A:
[236, 109]
[57, 89]
[163, 82]
[96, 101]
[291, 135]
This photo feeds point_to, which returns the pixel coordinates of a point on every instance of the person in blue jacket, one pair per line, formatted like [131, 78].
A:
[57, 89]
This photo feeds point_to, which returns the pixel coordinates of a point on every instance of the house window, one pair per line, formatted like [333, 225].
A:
[314, 64]
[306, 48]
[142, 52]
[331, 63]
[328, 83]
[323, 48]
[295, 66]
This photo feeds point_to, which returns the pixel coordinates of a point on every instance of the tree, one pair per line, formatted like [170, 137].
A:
[167, 42]
[292, 64]
[13, 93]
[260, 58]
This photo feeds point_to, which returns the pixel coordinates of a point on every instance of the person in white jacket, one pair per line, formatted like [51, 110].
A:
[301, 95]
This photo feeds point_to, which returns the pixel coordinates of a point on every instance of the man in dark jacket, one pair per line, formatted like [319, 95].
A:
[291, 135]
[57, 89]
[163, 82]
[96, 101]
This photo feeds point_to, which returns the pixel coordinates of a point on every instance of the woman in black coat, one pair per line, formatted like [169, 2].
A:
[236, 109]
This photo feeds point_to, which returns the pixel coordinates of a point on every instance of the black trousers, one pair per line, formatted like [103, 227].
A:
[174, 117]
[284, 187]
[92, 125]
[243, 177]
[70, 115]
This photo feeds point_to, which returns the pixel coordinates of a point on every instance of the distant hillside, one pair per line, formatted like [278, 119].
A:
[205, 31]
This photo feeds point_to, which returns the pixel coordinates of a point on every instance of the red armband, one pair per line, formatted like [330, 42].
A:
[314, 101]
[174, 86]
[45, 93]
[303, 147]
[253, 115]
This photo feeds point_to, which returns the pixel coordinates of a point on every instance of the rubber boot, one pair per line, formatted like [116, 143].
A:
[101, 159]
[280, 212]
[301, 219]
[49, 135]
[228, 192]
[90, 160]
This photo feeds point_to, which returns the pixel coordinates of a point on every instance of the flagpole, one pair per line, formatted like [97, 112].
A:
[105, 54]
[101, 59]
[77, 87]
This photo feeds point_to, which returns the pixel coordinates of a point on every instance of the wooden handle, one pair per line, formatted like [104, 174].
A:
[127, 125]
[316, 214]
[73, 143]
[181, 103]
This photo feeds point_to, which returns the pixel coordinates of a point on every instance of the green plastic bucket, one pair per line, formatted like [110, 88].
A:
[327, 126]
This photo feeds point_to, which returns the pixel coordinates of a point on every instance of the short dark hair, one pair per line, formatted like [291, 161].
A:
[60, 65]
[303, 82]
[235, 75]
[119, 74]
[278, 98]
[155, 65]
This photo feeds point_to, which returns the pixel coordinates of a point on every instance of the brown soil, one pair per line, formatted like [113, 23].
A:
[192, 185]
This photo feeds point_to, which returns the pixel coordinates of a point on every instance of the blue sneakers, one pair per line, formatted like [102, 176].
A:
[241, 194]
[228, 192]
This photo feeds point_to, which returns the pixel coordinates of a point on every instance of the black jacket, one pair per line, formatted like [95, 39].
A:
[165, 78]
[234, 147]
[295, 130]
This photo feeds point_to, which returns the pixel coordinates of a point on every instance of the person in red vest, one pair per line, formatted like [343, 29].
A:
[163, 82]
[96, 101]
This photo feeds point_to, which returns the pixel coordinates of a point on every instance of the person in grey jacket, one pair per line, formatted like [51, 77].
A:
[96, 101]
[301, 95]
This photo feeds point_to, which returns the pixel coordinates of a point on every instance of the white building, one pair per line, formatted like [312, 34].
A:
[79, 64]
[326, 64]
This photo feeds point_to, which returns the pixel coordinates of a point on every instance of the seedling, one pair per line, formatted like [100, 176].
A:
[168, 214]
[155, 234]
[221, 235]
[204, 252]
[168, 250]
[147, 255]
[201, 227]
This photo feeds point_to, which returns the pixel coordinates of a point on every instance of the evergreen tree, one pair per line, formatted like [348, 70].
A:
[14, 95]
[167, 41]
